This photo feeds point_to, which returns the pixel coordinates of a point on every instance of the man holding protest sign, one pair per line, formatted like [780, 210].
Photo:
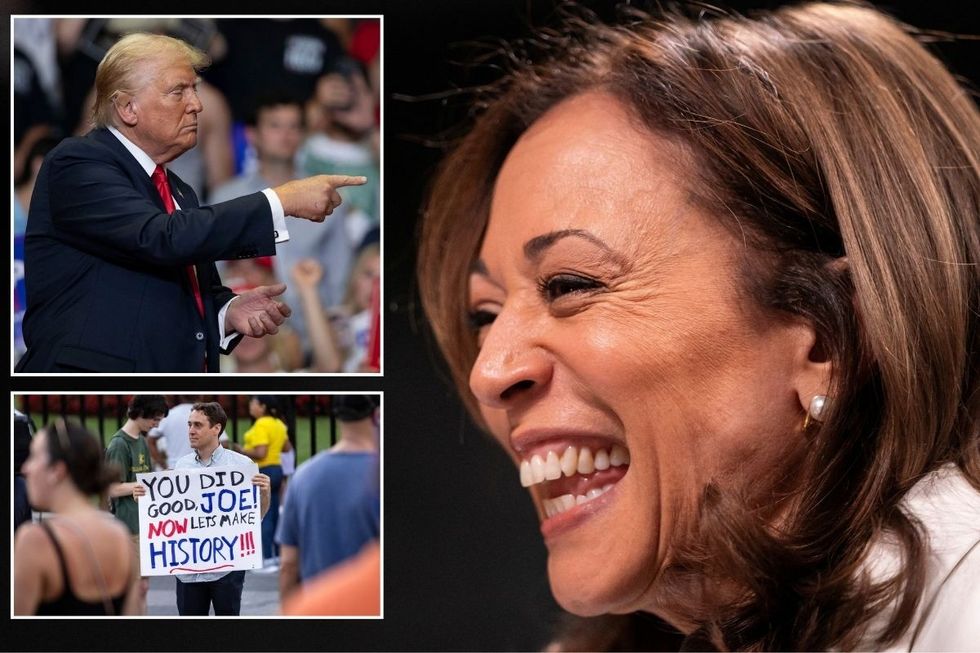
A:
[202, 518]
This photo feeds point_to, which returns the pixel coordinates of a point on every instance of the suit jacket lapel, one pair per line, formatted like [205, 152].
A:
[184, 194]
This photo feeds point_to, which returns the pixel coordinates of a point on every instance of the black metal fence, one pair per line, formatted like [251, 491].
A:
[106, 414]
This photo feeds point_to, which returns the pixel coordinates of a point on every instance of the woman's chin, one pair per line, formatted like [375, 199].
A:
[593, 593]
[578, 604]
[601, 559]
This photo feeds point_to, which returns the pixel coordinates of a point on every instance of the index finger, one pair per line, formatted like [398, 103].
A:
[338, 181]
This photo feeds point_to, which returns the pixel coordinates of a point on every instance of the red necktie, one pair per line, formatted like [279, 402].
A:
[163, 187]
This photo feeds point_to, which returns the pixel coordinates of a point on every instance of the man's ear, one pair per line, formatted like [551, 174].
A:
[126, 109]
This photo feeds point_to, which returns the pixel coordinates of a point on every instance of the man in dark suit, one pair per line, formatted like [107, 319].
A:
[119, 255]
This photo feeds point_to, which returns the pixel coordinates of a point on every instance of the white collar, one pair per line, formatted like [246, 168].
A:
[212, 459]
[947, 508]
[141, 157]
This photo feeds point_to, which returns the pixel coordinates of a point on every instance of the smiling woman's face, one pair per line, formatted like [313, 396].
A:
[620, 363]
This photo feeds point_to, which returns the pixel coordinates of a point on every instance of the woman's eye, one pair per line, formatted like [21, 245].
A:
[566, 284]
[480, 318]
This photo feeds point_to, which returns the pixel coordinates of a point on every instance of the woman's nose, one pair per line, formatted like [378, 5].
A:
[512, 366]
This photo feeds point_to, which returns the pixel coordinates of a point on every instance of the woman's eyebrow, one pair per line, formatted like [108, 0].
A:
[534, 248]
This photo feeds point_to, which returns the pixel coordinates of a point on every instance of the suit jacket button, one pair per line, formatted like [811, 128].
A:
[199, 335]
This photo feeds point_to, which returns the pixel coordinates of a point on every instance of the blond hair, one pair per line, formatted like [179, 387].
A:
[122, 69]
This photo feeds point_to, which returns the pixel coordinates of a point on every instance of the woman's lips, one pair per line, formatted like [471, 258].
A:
[565, 518]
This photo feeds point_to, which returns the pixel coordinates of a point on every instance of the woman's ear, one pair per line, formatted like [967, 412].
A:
[812, 369]
[59, 470]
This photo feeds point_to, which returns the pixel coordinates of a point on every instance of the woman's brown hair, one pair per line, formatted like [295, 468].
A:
[846, 157]
[82, 454]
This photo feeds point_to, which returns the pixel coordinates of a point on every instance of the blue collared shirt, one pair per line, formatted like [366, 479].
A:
[220, 457]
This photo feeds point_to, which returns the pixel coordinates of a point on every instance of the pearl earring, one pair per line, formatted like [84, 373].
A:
[817, 405]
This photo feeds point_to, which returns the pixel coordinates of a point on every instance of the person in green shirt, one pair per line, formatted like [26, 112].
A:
[129, 452]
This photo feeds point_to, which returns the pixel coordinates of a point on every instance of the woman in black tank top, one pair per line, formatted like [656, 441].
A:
[81, 561]
[67, 602]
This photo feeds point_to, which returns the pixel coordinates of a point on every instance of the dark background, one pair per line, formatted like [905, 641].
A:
[464, 567]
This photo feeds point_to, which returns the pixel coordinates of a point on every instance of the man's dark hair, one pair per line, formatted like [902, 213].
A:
[269, 100]
[142, 406]
[352, 408]
[214, 412]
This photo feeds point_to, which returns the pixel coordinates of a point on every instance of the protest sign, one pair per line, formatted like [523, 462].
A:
[199, 520]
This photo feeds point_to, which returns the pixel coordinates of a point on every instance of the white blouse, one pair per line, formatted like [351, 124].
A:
[948, 614]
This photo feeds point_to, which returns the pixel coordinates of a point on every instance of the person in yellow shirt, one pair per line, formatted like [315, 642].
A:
[264, 443]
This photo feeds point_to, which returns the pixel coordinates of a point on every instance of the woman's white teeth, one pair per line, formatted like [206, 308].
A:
[537, 469]
[601, 460]
[575, 460]
[566, 502]
[552, 469]
[527, 478]
[618, 456]
[569, 461]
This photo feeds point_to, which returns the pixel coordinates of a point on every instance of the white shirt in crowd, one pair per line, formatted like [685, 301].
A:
[173, 432]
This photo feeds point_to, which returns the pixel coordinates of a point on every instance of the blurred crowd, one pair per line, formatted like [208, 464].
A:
[284, 99]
